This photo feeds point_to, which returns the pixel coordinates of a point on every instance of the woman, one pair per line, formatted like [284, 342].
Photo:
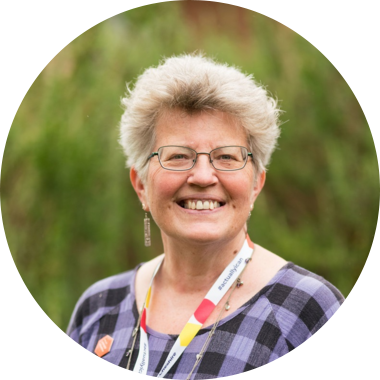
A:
[198, 136]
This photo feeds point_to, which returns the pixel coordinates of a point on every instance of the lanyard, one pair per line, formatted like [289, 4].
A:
[194, 324]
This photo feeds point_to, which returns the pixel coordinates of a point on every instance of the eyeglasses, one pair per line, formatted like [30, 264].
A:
[181, 158]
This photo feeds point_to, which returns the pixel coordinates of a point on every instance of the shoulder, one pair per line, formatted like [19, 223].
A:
[302, 302]
[305, 286]
[99, 299]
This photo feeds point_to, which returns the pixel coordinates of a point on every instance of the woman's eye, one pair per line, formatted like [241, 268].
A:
[225, 157]
[178, 157]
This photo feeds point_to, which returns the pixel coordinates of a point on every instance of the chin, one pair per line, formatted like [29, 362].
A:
[202, 236]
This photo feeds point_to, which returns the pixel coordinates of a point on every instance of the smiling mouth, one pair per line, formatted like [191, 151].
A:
[195, 204]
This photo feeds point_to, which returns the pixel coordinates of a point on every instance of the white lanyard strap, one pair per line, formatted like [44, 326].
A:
[194, 324]
[142, 362]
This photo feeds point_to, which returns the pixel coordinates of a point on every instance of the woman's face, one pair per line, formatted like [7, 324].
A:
[165, 192]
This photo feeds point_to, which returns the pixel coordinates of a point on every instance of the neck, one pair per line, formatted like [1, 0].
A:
[193, 269]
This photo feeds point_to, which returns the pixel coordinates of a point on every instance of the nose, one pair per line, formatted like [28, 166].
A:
[203, 174]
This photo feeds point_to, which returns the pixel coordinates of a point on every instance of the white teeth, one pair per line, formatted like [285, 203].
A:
[201, 205]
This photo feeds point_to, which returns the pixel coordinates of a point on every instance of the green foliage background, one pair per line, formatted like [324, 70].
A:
[70, 214]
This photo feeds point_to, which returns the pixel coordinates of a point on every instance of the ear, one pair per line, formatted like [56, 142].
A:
[139, 187]
[260, 181]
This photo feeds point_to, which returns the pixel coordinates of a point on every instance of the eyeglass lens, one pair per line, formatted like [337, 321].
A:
[183, 158]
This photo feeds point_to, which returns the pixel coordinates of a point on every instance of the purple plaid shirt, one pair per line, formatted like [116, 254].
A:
[287, 311]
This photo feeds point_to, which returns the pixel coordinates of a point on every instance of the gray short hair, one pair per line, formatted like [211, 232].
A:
[195, 83]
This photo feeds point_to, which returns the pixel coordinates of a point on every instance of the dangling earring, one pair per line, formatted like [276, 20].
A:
[250, 213]
[146, 228]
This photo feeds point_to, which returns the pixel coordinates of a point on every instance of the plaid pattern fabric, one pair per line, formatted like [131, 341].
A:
[287, 311]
